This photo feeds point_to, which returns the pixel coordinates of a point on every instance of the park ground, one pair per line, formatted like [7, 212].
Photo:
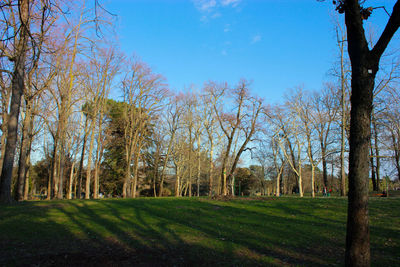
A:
[286, 231]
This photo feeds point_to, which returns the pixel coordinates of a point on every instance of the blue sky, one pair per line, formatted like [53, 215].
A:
[277, 44]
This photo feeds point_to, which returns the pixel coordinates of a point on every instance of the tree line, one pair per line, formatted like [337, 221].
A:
[79, 119]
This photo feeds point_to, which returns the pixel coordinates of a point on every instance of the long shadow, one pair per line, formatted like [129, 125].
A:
[173, 232]
[262, 243]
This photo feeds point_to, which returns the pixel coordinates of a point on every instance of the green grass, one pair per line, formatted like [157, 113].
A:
[191, 231]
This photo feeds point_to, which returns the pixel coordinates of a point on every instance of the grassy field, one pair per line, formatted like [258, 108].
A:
[191, 232]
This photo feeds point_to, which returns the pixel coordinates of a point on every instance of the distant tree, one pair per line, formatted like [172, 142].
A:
[244, 120]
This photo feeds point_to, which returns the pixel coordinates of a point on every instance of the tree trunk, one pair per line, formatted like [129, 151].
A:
[278, 182]
[324, 165]
[343, 122]
[6, 100]
[300, 177]
[190, 162]
[198, 165]
[81, 161]
[23, 152]
[396, 150]
[60, 194]
[313, 180]
[17, 90]
[165, 163]
[357, 238]
[372, 168]
[155, 173]
[224, 191]
[96, 180]
[362, 84]
[364, 65]
[177, 181]
[135, 174]
[378, 162]
[127, 182]
[210, 170]
[89, 164]
[71, 180]
[26, 187]
[53, 167]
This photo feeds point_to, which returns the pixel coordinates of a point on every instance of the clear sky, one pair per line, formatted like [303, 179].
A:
[277, 44]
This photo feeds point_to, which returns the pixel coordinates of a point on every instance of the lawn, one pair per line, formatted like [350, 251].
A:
[191, 232]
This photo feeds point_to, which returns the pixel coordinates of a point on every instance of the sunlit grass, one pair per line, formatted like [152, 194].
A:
[182, 231]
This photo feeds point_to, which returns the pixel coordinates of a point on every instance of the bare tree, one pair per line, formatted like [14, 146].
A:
[173, 114]
[244, 120]
[19, 11]
[143, 93]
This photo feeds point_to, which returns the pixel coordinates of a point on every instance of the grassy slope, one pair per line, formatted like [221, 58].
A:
[172, 231]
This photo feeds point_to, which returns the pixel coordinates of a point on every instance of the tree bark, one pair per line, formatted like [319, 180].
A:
[364, 65]
[17, 90]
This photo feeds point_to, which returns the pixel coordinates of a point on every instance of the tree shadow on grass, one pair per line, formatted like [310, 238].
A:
[173, 232]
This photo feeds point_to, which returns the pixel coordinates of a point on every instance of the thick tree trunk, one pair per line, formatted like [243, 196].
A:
[364, 65]
[357, 239]
[11, 143]
[17, 90]
[127, 182]
[362, 84]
